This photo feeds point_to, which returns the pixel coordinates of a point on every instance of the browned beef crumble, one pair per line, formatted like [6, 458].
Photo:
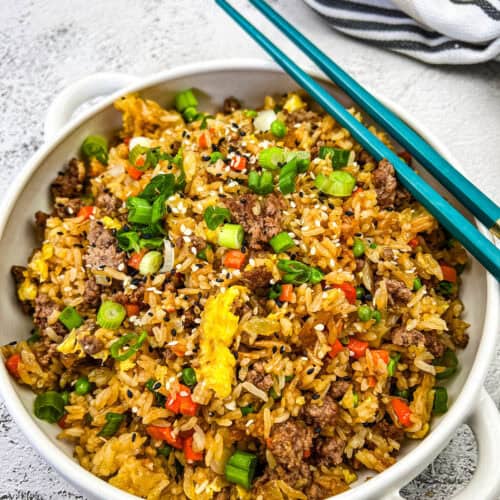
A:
[398, 292]
[257, 278]
[231, 104]
[321, 415]
[44, 307]
[103, 250]
[92, 345]
[91, 294]
[384, 180]
[260, 218]
[108, 203]
[69, 183]
[389, 431]
[133, 296]
[17, 273]
[328, 451]
[41, 220]
[339, 388]
[300, 116]
[67, 207]
[405, 338]
[258, 377]
[434, 344]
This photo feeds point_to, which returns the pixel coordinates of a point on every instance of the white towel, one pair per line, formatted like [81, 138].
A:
[434, 31]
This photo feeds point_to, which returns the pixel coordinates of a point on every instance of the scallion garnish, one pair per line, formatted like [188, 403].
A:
[151, 263]
[288, 174]
[240, 468]
[272, 158]
[215, 156]
[440, 404]
[110, 315]
[113, 422]
[338, 183]
[96, 146]
[215, 216]
[260, 183]
[275, 291]
[70, 318]
[139, 210]
[298, 273]
[153, 386]
[246, 410]
[128, 241]
[281, 242]
[340, 157]
[231, 236]
[49, 406]
[190, 114]
[393, 363]
[185, 99]
[449, 362]
[123, 348]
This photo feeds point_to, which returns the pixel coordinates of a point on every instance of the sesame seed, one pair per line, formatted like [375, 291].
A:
[310, 370]
[319, 327]
[315, 396]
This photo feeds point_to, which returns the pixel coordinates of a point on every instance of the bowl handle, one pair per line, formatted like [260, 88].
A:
[63, 108]
[485, 425]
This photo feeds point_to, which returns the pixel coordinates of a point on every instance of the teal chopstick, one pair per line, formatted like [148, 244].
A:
[449, 217]
[486, 211]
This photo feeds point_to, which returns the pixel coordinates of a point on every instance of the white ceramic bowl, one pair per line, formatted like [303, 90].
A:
[249, 80]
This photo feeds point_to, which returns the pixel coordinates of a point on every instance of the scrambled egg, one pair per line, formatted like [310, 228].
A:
[39, 262]
[294, 103]
[110, 223]
[218, 329]
[70, 345]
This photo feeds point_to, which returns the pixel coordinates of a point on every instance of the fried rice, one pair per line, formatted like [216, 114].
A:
[315, 379]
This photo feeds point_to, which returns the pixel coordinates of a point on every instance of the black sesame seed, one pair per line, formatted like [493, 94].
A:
[156, 386]
[134, 436]
[211, 413]
[358, 234]
[129, 393]
[317, 430]
[309, 371]
[282, 349]
[315, 396]
[349, 213]
[242, 133]
[173, 332]
[275, 349]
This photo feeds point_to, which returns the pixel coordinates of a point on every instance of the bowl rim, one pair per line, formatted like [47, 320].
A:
[392, 478]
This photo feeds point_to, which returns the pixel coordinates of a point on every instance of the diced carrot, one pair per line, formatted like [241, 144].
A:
[173, 403]
[135, 259]
[269, 442]
[86, 212]
[189, 453]
[372, 381]
[380, 354]
[307, 453]
[336, 348]
[178, 349]
[402, 411]
[62, 421]
[357, 347]
[405, 156]
[132, 309]
[357, 190]
[449, 273]
[349, 291]
[286, 293]
[135, 173]
[127, 140]
[414, 242]
[164, 434]
[204, 140]
[234, 259]
[186, 406]
[12, 364]
[140, 161]
[238, 163]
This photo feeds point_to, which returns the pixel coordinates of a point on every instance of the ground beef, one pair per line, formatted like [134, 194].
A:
[231, 104]
[384, 180]
[92, 294]
[360, 263]
[321, 415]
[257, 278]
[387, 253]
[258, 377]
[300, 116]
[434, 344]
[398, 292]
[69, 183]
[92, 345]
[404, 338]
[103, 249]
[289, 441]
[317, 492]
[328, 451]
[389, 431]
[460, 338]
[67, 207]
[174, 281]
[299, 477]
[44, 307]
[17, 273]
[45, 350]
[261, 219]
[133, 296]
[108, 203]
[198, 243]
[41, 220]
[338, 389]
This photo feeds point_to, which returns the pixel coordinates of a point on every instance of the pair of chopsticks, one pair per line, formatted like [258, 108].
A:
[471, 197]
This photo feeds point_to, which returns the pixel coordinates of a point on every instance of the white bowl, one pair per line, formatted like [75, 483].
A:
[248, 80]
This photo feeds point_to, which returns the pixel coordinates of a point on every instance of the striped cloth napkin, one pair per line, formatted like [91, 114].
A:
[434, 31]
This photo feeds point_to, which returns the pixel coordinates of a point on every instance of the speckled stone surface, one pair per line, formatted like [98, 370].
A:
[47, 44]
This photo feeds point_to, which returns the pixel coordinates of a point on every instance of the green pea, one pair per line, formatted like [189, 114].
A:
[358, 248]
[373, 245]
[189, 376]
[376, 316]
[364, 313]
[82, 386]
[278, 129]
[417, 284]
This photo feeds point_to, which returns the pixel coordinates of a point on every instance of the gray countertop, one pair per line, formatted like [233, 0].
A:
[47, 44]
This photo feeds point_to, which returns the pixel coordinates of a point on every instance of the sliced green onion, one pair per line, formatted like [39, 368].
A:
[288, 174]
[153, 385]
[215, 156]
[188, 376]
[164, 450]
[278, 129]
[49, 406]
[35, 337]
[96, 146]
[275, 291]
[190, 114]
[393, 363]
[364, 312]
[289, 378]
[417, 284]
[128, 241]
[162, 184]
[70, 318]
[110, 315]
[83, 386]
[185, 99]
[339, 183]
[246, 410]
[298, 273]
[151, 263]
[250, 113]
[316, 276]
[340, 157]
[118, 351]
[137, 152]
[159, 209]
[445, 288]
[240, 468]
[215, 216]
[440, 404]
[261, 183]
[281, 242]
[151, 243]
[231, 236]
[355, 399]
[113, 422]
[271, 158]
[302, 159]
[402, 393]
[358, 248]
[449, 361]
[204, 121]
[204, 253]
[139, 210]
